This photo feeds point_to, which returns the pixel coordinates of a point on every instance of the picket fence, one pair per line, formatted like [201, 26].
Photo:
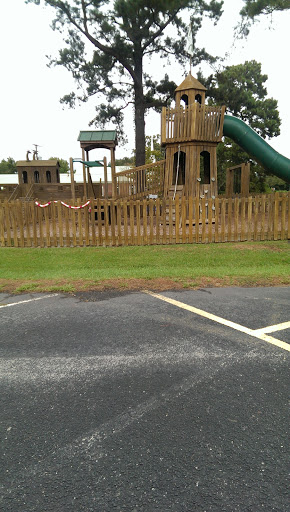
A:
[145, 222]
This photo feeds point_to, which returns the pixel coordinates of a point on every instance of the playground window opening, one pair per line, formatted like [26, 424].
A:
[198, 98]
[24, 177]
[36, 176]
[48, 176]
[179, 168]
[237, 181]
[204, 168]
[184, 100]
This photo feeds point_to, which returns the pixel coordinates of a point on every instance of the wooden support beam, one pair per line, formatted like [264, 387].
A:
[106, 177]
[84, 176]
[163, 125]
[113, 169]
[72, 181]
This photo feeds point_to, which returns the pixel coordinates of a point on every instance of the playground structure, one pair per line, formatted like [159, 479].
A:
[190, 133]
[238, 180]
[89, 140]
[38, 179]
[38, 171]
[34, 172]
[174, 200]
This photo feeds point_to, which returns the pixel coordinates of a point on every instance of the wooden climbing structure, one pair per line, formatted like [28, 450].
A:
[190, 132]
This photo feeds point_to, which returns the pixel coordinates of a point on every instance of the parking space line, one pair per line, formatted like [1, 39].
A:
[273, 328]
[28, 300]
[254, 333]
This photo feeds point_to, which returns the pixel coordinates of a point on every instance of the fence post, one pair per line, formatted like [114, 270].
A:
[2, 238]
[106, 177]
[72, 181]
[276, 214]
[288, 231]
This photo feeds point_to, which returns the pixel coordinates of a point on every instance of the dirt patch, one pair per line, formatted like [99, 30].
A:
[257, 247]
[160, 284]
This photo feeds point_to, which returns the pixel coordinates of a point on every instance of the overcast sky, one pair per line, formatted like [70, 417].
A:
[30, 91]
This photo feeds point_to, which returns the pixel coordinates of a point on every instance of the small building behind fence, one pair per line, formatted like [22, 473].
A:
[38, 171]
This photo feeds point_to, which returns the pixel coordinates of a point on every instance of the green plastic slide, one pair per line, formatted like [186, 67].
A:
[256, 147]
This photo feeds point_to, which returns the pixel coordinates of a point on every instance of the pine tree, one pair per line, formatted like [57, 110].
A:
[108, 45]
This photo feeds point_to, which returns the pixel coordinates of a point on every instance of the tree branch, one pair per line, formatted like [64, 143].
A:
[85, 16]
[105, 49]
[160, 30]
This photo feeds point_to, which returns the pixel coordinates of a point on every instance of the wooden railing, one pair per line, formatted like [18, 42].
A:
[193, 122]
[146, 222]
[141, 182]
[29, 195]
[14, 194]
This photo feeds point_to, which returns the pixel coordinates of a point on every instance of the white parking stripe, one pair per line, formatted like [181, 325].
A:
[29, 300]
[273, 328]
[227, 323]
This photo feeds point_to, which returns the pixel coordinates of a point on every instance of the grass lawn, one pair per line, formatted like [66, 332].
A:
[152, 267]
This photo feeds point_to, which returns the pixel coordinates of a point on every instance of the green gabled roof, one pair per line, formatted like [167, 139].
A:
[97, 136]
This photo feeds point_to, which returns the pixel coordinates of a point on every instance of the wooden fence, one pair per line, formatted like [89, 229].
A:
[146, 222]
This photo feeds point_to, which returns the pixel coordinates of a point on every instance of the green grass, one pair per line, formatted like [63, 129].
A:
[187, 264]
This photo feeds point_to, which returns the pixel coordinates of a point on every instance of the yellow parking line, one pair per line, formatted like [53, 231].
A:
[223, 321]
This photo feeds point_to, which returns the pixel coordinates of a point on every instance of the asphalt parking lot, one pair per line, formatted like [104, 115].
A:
[145, 402]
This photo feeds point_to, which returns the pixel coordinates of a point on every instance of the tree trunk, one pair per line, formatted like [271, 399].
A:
[139, 132]
[139, 112]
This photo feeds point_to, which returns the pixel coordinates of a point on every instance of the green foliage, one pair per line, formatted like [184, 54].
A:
[229, 154]
[155, 153]
[64, 165]
[8, 166]
[254, 8]
[152, 154]
[275, 183]
[108, 44]
[242, 89]
[126, 161]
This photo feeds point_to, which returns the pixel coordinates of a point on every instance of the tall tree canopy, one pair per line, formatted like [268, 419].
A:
[121, 35]
[242, 89]
[254, 8]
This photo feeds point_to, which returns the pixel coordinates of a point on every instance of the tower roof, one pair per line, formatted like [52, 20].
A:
[38, 163]
[92, 139]
[190, 83]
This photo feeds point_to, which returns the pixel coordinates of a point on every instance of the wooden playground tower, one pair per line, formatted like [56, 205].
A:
[190, 133]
